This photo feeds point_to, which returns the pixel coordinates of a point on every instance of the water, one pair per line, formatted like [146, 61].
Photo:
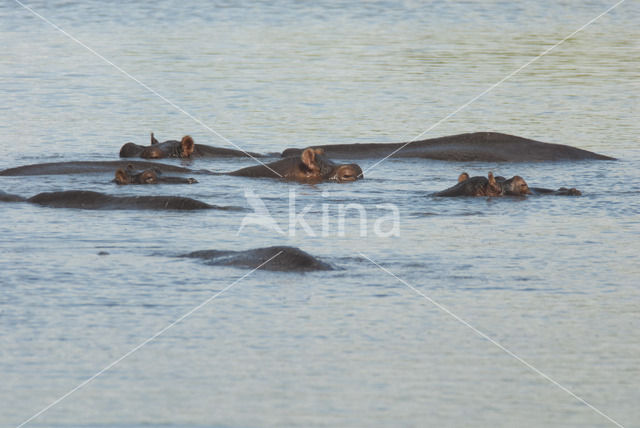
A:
[554, 280]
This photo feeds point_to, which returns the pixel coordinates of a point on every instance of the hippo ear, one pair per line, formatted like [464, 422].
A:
[187, 145]
[153, 140]
[319, 151]
[492, 180]
[308, 158]
[463, 177]
[121, 176]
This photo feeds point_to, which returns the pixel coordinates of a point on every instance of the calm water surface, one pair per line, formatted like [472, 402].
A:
[554, 280]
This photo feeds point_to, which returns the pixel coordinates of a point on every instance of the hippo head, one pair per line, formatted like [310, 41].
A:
[181, 149]
[129, 176]
[515, 186]
[187, 146]
[315, 165]
[132, 150]
[463, 177]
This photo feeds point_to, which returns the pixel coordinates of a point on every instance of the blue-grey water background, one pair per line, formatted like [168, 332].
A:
[554, 280]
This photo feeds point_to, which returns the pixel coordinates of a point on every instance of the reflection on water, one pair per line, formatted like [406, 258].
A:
[551, 278]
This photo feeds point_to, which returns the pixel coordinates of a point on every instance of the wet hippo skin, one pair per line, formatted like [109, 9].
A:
[89, 200]
[311, 165]
[477, 146]
[289, 259]
[87, 167]
[185, 148]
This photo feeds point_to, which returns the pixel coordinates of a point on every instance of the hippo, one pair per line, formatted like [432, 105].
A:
[481, 186]
[499, 186]
[476, 146]
[563, 191]
[310, 166]
[89, 200]
[91, 167]
[7, 197]
[290, 259]
[185, 148]
[129, 175]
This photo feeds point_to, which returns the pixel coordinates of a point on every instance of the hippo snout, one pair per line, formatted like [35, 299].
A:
[346, 173]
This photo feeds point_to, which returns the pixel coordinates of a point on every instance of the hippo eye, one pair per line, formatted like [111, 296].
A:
[346, 176]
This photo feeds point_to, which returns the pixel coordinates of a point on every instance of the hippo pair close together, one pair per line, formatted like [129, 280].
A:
[310, 166]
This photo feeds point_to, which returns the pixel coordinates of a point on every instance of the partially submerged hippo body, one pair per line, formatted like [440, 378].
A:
[185, 148]
[88, 200]
[99, 201]
[311, 166]
[477, 146]
[8, 197]
[129, 175]
[499, 186]
[90, 167]
[563, 191]
[282, 259]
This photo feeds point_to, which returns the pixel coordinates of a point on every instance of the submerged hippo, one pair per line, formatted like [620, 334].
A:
[490, 186]
[477, 146]
[311, 165]
[185, 148]
[91, 167]
[282, 259]
[563, 191]
[88, 200]
[129, 175]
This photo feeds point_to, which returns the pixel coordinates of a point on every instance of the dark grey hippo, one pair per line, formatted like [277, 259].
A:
[92, 167]
[476, 146]
[129, 175]
[8, 197]
[88, 200]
